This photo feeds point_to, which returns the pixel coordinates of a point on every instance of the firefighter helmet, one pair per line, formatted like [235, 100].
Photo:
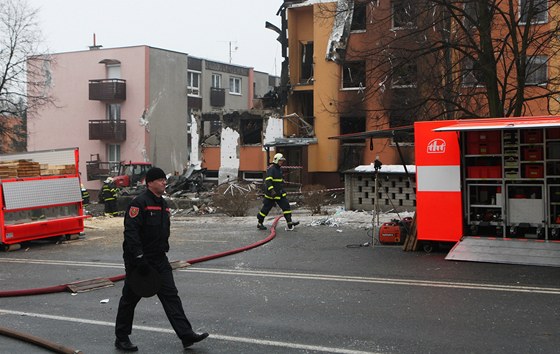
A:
[278, 157]
[109, 180]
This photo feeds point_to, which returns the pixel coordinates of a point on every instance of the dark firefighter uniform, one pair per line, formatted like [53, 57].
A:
[109, 194]
[85, 195]
[274, 194]
[146, 238]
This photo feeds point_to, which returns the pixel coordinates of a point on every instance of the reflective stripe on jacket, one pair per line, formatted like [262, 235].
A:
[274, 181]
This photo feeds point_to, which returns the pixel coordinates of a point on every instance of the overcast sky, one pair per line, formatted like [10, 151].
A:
[202, 28]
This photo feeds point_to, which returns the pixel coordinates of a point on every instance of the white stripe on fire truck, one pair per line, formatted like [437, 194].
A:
[438, 178]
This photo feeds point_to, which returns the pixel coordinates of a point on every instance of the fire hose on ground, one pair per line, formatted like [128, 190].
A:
[67, 287]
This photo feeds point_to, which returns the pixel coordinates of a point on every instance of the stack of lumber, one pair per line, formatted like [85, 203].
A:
[26, 168]
[53, 170]
[8, 169]
[19, 168]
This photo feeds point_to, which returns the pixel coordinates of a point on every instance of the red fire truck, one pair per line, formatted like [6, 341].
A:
[40, 196]
[492, 186]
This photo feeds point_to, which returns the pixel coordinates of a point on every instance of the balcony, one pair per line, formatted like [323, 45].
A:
[217, 97]
[107, 90]
[108, 130]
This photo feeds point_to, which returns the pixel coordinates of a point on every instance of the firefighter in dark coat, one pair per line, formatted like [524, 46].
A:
[275, 194]
[109, 195]
[146, 242]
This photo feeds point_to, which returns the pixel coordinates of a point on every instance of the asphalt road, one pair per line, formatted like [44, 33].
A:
[303, 292]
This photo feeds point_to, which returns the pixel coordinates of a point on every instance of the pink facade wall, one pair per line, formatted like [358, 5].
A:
[65, 124]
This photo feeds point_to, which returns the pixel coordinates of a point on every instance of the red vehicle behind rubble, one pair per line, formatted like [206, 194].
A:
[131, 174]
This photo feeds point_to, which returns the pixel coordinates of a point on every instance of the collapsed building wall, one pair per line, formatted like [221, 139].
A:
[239, 136]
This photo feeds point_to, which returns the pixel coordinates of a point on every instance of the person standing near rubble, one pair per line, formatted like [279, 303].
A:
[109, 195]
[146, 242]
[275, 194]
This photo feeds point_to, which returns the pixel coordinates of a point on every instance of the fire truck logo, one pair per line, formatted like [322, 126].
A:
[133, 212]
[436, 146]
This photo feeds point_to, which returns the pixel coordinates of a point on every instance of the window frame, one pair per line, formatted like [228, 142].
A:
[216, 80]
[409, 25]
[351, 68]
[412, 73]
[232, 80]
[537, 20]
[114, 157]
[193, 89]
[536, 72]
[468, 70]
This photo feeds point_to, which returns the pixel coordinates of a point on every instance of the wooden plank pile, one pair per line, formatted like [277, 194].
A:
[411, 242]
[53, 170]
[26, 168]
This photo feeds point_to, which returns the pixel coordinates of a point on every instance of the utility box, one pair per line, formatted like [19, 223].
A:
[41, 196]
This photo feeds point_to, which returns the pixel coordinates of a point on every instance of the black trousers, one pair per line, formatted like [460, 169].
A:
[269, 203]
[111, 206]
[168, 295]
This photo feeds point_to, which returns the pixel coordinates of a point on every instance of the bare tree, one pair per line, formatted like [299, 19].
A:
[24, 79]
[446, 59]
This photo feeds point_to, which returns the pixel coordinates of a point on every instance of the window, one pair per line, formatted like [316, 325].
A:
[354, 75]
[193, 83]
[404, 75]
[113, 112]
[235, 85]
[349, 125]
[472, 73]
[533, 11]
[471, 14]
[536, 70]
[403, 14]
[359, 16]
[306, 74]
[216, 80]
[251, 131]
[114, 156]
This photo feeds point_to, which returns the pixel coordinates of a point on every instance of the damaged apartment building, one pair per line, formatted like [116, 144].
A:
[324, 88]
[233, 111]
[145, 104]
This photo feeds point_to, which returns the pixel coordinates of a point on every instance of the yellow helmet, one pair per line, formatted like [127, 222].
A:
[278, 157]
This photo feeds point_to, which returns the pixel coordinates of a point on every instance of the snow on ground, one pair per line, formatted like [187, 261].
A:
[334, 216]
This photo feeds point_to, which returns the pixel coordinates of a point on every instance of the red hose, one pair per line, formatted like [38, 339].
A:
[64, 287]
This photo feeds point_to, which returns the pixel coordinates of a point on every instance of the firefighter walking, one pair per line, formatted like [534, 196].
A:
[275, 194]
[109, 194]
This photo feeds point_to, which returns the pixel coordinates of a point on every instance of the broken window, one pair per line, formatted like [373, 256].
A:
[251, 131]
[306, 75]
[359, 16]
[533, 11]
[404, 74]
[349, 125]
[354, 74]
[193, 83]
[404, 14]
[472, 73]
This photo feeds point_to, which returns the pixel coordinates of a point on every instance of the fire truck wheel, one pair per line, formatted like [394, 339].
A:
[12, 247]
[428, 247]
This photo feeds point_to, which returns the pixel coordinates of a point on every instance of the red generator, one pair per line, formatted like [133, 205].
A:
[394, 231]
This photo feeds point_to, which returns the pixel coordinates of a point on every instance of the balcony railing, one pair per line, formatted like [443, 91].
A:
[217, 97]
[107, 90]
[108, 130]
